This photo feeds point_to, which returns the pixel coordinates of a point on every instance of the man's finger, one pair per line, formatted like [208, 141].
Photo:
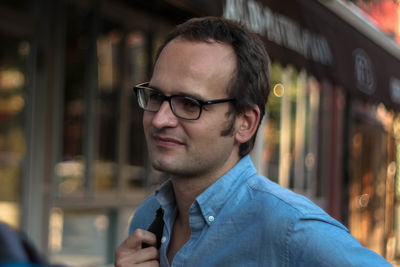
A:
[140, 236]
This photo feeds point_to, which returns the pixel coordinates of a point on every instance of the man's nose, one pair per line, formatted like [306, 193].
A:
[164, 117]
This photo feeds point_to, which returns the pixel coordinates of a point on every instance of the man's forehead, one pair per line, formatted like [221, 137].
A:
[200, 55]
[195, 64]
[202, 48]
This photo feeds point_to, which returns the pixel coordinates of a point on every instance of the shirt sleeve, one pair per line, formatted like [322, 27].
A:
[319, 241]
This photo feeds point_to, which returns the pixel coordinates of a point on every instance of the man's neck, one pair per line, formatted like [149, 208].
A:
[186, 192]
[187, 189]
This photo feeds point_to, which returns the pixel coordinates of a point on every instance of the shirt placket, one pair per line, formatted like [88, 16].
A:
[169, 219]
[197, 225]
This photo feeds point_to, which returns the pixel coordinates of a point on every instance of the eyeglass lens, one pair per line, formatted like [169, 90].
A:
[182, 106]
[185, 107]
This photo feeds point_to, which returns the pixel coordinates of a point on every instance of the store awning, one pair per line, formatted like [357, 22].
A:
[309, 35]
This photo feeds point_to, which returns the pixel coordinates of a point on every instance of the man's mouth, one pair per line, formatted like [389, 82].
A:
[161, 140]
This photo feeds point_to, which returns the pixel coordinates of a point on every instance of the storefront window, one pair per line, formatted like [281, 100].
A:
[271, 129]
[110, 46]
[103, 173]
[70, 171]
[372, 168]
[104, 146]
[289, 131]
[13, 61]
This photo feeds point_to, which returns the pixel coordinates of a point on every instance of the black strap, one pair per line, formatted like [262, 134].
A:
[157, 227]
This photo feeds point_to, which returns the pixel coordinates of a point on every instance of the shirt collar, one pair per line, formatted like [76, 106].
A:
[211, 201]
[214, 197]
[165, 194]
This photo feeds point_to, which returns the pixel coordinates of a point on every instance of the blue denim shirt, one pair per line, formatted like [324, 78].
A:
[244, 219]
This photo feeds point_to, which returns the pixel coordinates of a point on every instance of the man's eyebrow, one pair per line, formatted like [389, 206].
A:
[154, 88]
[192, 95]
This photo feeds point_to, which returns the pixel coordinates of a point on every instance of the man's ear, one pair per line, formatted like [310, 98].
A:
[247, 124]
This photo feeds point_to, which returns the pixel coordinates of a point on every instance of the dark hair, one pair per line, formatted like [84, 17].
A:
[250, 82]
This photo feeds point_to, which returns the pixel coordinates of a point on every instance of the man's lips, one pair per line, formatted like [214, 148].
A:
[166, 140]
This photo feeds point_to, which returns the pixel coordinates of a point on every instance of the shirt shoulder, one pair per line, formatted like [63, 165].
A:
[291, 205]
[144, 214]
[312, 237]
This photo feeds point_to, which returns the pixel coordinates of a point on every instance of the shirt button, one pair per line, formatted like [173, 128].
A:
[163, 239]
[211, 218]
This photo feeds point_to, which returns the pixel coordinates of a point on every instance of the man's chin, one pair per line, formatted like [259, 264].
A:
[157, 167]
[171, 168]
[163, 165]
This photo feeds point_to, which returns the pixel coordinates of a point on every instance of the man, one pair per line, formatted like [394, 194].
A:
[202, 108]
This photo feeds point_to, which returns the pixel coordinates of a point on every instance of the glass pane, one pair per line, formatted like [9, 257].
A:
[368, 171]
[290, 130]
[109, 67]
[72, 168]
[117, 136]
[13, 60]
[79, 238]
[311, 179]
[279, 130]
[138, 63]
[271, 130]
[292, 149]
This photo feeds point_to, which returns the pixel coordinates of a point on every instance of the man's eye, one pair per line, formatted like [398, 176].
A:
[189, 103]
[186, 104]
[155, 96]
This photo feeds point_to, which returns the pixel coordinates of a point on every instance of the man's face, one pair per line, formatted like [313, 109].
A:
[195, 148]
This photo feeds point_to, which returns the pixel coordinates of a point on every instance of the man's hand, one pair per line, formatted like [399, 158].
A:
[130, 252]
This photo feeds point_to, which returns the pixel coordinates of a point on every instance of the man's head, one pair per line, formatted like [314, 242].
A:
[205, 99]
[250, 84]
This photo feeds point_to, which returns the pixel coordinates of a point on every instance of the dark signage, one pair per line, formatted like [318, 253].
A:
[308, 35]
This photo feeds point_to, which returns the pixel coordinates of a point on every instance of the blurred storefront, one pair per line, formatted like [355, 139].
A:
[73, 163]
[332, 120]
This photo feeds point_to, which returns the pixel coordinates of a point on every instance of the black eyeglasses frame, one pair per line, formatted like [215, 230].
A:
[201, 102]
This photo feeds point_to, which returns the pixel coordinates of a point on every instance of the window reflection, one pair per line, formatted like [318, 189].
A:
[13, 56]
[109, 51]
[117, 138]
[289, 131]
[70, 172]
[103, 158]
[372, 169]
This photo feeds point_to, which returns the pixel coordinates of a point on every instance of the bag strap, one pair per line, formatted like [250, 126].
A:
[157, 227]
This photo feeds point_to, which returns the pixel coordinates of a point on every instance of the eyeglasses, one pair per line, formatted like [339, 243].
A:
[184, 107]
